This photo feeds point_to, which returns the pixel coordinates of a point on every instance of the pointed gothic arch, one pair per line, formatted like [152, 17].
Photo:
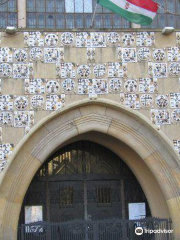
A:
[145, 149]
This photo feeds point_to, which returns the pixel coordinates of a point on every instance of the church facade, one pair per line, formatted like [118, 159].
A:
[89, 115]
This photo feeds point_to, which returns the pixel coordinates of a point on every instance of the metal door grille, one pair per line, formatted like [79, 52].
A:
[96, 230]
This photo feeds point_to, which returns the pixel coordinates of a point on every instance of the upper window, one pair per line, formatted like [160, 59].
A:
[8, 13]
[163, 19]
[63, 14]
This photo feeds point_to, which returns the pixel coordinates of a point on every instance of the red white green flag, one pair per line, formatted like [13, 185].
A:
[137, 11]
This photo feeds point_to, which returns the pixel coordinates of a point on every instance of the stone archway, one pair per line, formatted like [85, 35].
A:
[153, 153]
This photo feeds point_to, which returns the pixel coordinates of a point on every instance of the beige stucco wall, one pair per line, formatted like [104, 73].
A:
[103, 55]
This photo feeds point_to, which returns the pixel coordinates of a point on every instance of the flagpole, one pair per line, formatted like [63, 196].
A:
[93, 16]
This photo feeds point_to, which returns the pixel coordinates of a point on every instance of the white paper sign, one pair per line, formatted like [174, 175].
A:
[33, 214]
[137, 211]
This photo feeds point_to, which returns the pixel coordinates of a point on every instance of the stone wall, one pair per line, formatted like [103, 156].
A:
[42, 72]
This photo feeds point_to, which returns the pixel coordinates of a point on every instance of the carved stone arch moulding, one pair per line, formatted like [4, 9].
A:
[82, 117]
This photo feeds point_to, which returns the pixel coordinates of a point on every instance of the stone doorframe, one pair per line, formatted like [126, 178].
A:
[146, 150]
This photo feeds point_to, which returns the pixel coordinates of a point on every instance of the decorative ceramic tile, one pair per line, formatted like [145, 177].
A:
[84, 71]
[33, 39]
[162, 101]
[6, 54]
[131, 86]
[92, 86]
[100, 86]
[6, 102]
[158, 70]
[144, 54]
[36, 54]
[5, 70]
[37, 102]
[174, 69]
[113, 38]
[115, 85]
[20, 56]
[132, 101]
[21, 103]
[81, 39]
[22, 70]
[173, 54]
[5, 151]
[117, 70]
[176, 115]
[6, 118]
[2, 165]
[148, 85]
[51, 39]
[177, 145]
[52, 86]
[99, 70]
[178, 39]
[146, 100]
[51, 55]
[91, 53]
[97, 39]
[68, 85]
[175, 100]
[128, 39]
[35, 86]
[85, 86]
[128, 55]
[160, 117]
[23, 118]
[145, 39]
[66, 70]
[55, 102]
[159, 55]
[67, 38]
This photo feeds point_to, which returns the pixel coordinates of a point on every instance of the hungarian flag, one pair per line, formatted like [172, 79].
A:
[136, 11]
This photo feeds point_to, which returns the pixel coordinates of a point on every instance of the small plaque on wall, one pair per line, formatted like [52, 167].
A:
[33, 214]
[137, 211]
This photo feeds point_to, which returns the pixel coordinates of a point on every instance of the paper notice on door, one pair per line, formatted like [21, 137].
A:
[33, 214]
[137, 211]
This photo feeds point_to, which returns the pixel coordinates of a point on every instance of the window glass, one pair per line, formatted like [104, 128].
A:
[8, 13]
[50, 6]
[69, 21]
[79, 6]
[88, 6]
[79, 21]
[87, 20]
[107, 21]
[60, 21]
[40, 5]
[31, 20]
[3, 20]
[11, 5]
[50, 21]
[72, 14]
[60, 6]
[69, 6]
[41, 20]
[31, 6]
